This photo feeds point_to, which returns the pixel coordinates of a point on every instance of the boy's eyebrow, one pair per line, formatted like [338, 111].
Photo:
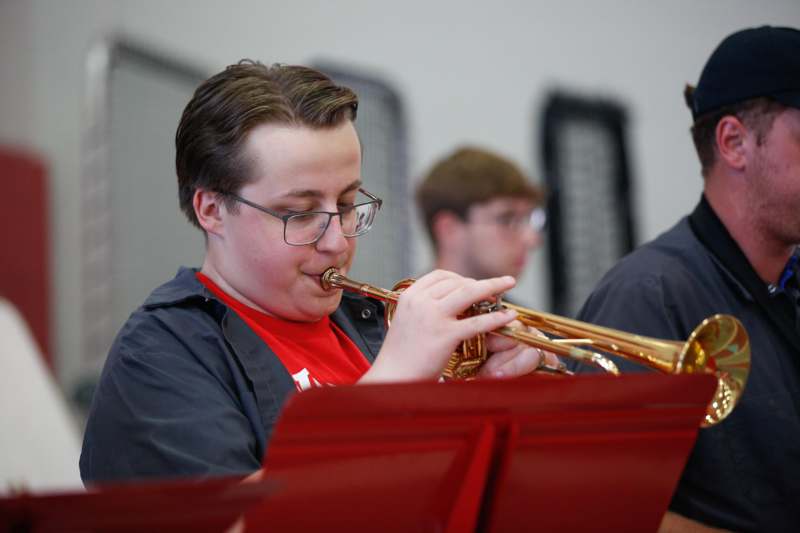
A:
[314, 193]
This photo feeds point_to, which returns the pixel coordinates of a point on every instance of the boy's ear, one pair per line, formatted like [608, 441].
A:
[446, 228]
[208, 210]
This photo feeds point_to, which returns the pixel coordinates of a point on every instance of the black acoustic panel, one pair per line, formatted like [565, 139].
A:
[589, 209]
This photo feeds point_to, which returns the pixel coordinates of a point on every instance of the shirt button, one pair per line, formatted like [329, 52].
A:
[366, 313]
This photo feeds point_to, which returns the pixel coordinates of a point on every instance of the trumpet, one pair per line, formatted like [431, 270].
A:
[719, 345]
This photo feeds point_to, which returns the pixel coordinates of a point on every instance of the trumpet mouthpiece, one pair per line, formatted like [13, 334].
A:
[327, 279]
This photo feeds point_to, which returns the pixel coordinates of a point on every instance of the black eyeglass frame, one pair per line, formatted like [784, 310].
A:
[285, 218]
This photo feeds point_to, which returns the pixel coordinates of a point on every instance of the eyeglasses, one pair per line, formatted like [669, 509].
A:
[308, 227]
[535, 220]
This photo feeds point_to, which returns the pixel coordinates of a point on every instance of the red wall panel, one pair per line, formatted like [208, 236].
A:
[25, 242]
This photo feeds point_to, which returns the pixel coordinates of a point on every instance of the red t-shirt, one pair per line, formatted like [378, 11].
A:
[315, 353]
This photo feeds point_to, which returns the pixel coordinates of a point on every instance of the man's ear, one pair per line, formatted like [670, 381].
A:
[446, 228]
[208, 210]
[734, 142]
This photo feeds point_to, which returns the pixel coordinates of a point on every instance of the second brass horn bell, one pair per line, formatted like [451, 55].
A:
[719, 345]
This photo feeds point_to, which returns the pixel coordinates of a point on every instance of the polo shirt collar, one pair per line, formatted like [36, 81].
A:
[710, 230]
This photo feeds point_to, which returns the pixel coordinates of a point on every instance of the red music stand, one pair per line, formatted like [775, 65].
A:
[593, 452]
[529, 453]
[212, 505]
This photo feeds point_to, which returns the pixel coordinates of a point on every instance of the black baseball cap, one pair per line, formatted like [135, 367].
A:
[750, 63]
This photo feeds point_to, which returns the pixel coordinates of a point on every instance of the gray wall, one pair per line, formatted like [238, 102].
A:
[469, 72]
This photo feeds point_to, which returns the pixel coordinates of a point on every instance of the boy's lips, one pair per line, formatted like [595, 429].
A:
[316, 277]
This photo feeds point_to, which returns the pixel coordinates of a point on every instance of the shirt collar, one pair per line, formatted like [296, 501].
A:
[710, 230]
[714, 235]
[183, 286]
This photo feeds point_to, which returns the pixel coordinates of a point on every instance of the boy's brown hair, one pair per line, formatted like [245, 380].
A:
[226, 107]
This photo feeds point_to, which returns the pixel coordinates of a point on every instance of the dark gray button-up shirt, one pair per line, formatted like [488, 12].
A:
[189, 389]
[744, 473]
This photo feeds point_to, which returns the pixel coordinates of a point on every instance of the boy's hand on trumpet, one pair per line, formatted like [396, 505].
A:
[508, 357]
[426, 327]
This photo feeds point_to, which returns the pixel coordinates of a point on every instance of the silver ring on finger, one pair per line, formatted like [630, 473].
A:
[542, 359]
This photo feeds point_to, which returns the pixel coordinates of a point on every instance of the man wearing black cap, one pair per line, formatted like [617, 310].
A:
[736, 253]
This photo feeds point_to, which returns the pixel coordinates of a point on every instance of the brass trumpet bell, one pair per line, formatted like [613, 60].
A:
[718, 346]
